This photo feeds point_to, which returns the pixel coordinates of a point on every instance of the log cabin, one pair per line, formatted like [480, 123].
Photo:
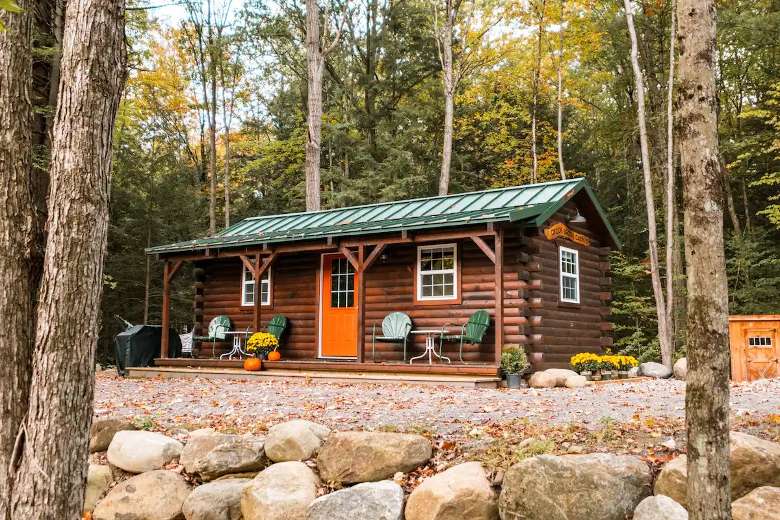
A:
[536, 257]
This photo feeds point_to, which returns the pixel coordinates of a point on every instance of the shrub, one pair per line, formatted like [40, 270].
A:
[514, 361]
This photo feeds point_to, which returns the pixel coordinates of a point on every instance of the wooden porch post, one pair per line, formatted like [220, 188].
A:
[258, 294]
[166, 310]
[361, 299]
[499, 283]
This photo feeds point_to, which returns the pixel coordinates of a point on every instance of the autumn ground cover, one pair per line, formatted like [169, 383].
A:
[497, 427]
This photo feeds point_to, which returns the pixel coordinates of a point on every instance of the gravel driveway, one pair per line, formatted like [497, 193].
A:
[257, 404]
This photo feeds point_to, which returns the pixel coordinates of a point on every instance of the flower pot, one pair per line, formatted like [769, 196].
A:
[587, 374]
[606, 374]
[514, 380]
[252, 364]
[623, 374]
[597, 376]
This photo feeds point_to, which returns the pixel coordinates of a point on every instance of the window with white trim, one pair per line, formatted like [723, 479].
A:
[760, 341]
[248, 288]
[437, 272]
[570, 275]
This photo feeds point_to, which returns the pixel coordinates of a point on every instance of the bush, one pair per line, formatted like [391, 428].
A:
[514, 361]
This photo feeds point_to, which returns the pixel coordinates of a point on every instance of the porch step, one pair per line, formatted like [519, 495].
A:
[376, 377]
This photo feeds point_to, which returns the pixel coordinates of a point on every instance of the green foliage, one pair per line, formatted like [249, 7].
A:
[753, 267]
[514, 361]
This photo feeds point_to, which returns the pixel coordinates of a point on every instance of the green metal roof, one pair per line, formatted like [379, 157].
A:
[534, 203]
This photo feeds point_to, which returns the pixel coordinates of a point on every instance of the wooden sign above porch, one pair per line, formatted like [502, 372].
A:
[562, 230]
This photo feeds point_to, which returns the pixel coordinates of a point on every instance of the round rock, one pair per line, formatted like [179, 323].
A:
[760, 504]
[219, 500]
[656, 370]
[99, 478]
[680, 369]
[368, 501]
[284, 491]
[462, 491]
[660, 507]
[212, 455]
[353, 457]
[542, 380]
[294, 440]
[103, 430]
[574, 487]
[140, 451]
[155, 495]
[560, 375]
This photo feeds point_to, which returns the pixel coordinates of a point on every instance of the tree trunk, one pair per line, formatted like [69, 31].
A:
[315, 62]
[671, 232]
[212, 108]
[535, 88]
[227, 177]
[560, 92]
[52, 471]
[729, 196]
[16, 225]
[445, 40]
[707, 389]
[667, 348]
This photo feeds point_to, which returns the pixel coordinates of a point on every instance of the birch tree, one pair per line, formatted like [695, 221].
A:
[456, 63]
[16, 212]
[707, 388]
[671, 198]
[539, 8]
[664, 335]
[318, 46]
[561, 28]
[52, 446]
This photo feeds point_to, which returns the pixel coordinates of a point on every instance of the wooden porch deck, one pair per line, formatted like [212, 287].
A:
[437, 374]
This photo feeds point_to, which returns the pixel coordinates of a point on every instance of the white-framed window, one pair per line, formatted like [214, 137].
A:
[248, 288]
[760, 341]
[437, 272]
[570, 275]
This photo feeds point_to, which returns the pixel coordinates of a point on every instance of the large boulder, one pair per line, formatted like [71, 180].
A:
[656, 370]
[754, 463]
[760, 504]
[154, 495]
[560, 375]
[211, 455]
[140, 451]
[282, 491]
[542, 380]
[352, 457]
[99, 479]
[294, 440]
[680, 369]
[462, 491]
[368, 501]
[576, 382]
[219, 500]
[574, 487]
[103, 430]
[660, 507]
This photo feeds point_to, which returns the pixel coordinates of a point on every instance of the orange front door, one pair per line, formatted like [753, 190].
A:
[339, 308]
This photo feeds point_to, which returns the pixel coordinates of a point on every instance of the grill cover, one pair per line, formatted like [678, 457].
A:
[140, 344]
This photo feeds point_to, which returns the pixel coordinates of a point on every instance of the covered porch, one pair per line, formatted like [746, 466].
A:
[294, 282]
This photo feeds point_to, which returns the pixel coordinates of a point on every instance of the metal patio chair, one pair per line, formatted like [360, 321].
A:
[473, 332]
[395, 329]
[216, 331]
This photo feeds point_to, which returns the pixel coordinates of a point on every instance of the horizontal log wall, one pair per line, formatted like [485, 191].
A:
[566, 329]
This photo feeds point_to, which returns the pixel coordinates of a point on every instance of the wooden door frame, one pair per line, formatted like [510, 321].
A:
[320, 306]
[774, 333]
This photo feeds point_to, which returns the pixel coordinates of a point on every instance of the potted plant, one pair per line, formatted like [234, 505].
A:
[259, 344]
[514, 363]
[625, 363]
[586, 364]
[608, 366]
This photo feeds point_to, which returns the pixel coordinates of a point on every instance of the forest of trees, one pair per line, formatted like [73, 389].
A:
[518, 71]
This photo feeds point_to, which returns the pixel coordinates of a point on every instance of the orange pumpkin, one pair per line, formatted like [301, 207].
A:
[274, 355]
[253, 364]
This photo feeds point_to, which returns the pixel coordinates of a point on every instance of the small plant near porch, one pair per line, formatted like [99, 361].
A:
[514, 363]
[262, 343]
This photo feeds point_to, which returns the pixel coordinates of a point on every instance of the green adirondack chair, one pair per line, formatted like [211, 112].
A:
[216, 331]
[395, 329]
[473, 332]
[277, 326]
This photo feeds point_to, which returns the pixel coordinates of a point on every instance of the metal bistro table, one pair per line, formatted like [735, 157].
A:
[430, 344]
[239, 336]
